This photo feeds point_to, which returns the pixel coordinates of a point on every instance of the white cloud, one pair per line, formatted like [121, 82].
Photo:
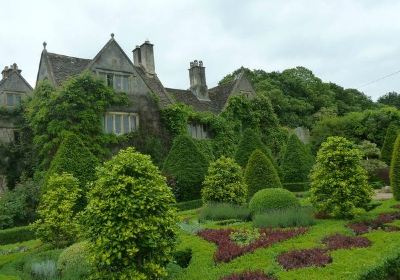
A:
[346, 42]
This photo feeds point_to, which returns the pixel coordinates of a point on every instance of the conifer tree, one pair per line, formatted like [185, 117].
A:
[395, 169]
[387, 147]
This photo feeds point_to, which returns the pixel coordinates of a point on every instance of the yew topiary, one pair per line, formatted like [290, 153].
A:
[272, 199]
[260, 173]
[249, 142]
[187, 166]
[297, 162]
[395, 170]
[387, 148]
[339, 185]
[224, 183]
[130, 220]
[57, 211]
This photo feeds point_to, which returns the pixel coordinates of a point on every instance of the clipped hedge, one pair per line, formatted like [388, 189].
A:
[188, 166]
[272, 199]
[260, 173]
[75, 257]
[297, 161]
[387, 148]
[250, 142]
[297, 187]
[389, 268]
[189, 205]
[75, 158]
[17, 234]
[395, 170]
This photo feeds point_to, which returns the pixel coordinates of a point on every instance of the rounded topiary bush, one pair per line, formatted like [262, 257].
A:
[224, 183]
[272, 199]
[73, 258]
[187, 166]
[260, 173]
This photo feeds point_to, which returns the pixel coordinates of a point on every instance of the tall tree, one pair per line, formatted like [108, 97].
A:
[390, 138]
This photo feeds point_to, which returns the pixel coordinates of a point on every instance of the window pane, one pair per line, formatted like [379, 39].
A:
[109, 123]
[117, 124]
[133, 122]
[117, 81]
[10, 99]
[17, 99]
[110, 80]
[125, 83]
[126, 124]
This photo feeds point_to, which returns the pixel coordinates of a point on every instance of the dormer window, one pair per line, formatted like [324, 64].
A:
[118, 82]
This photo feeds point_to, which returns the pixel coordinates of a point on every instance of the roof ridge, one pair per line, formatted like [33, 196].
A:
[68, 56]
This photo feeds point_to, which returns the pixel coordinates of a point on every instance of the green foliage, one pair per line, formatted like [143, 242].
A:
[17, 206]
[260, 173]
[370, 160]
[189, 205]
[77, 106]
[297, 161]
[74, 260]
[57, 218]
[339, 185]
[224, 211]
[224, 183]
[395, 169]
[272, 199]
[390, 99]
[244, 237]
[130, 221]
[291, 217]
[17, 234]
[387, 148]
[188, 166]
[205, 147]
[356, 126]
[74, 158]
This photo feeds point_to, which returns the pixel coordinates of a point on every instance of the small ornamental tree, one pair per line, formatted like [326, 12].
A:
[74, 158]
[339, 185]
[224, 183]
[188, 166]
[130, 220]
[57, 216]
[260, 173]
[387, 148]
[395, 170]
[297, 162]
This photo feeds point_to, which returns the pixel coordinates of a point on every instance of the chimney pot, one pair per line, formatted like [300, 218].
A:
[198, 84]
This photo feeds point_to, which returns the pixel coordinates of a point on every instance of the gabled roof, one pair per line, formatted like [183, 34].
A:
[13, 86]
[218, 95]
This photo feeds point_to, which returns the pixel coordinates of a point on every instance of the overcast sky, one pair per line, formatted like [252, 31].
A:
[347, 42]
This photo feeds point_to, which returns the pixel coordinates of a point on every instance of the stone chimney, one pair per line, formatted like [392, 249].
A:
[144, 56]
[8, 70]
[197, 75]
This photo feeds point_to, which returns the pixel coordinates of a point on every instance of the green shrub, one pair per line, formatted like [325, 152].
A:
[189, 205]
[387, 148]
[74, 260]
[244, 237]
[74, 158]
[130, 221]
[224, 183]
[297, 161]
[18, 206]
[250, 142]
[272, 199]
[224, 211]
[57, 218]
[388, 268]
[395, 170]
[291, 217]
[339, 185]
[297, 187]
[205, 147]
[188, 166]
[183, 257]
[260, 173]
[17, 234]
[44, 270]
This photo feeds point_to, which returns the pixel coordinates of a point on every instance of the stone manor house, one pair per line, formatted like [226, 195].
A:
[136, 76]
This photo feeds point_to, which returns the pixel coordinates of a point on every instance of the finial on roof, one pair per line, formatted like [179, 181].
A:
[44, 45]
[112, 35]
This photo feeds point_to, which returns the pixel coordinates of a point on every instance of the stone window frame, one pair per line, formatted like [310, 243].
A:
[198, 131]
[14, 94]
[121, 126]
[117, 79]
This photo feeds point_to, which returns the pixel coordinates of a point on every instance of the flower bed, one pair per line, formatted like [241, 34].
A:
[248, 275]
[304, 258]
[339, 241]
[228, 249]
[378, 223]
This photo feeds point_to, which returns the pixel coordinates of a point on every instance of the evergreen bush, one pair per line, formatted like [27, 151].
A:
[188, 166]
[130, 220]
[339, 185]
[75, 257]
[395, 170]
[297, 161]
[260, 173]
[387, 148]
[224, 183]
[272, 199]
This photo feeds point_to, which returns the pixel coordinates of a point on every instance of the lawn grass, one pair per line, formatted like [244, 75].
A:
[347, 264]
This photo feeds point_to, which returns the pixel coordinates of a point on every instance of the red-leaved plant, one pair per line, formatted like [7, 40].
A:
[339, 241]
[378, 223]
[248, 275]
[304, 258]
